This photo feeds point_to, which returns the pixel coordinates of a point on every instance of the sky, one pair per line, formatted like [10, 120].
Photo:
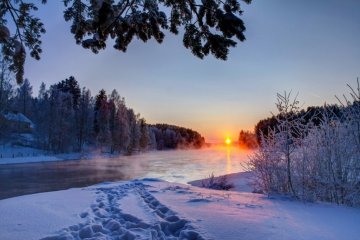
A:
[309, 47]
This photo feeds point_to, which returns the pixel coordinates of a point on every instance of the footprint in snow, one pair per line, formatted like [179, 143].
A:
[105, 219]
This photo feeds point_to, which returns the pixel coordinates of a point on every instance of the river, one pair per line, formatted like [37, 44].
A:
[174, 166]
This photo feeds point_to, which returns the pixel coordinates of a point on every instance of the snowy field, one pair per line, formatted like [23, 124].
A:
[155, 209]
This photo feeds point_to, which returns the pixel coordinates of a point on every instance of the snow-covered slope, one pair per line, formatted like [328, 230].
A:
[37, 215]
[154, 209]
[242, 181]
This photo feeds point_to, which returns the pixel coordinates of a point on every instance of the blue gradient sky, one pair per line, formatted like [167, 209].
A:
[310, 47]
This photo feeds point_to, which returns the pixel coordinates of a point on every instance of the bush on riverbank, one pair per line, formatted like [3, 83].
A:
[217, 183]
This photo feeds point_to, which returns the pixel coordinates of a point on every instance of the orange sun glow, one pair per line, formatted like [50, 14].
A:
[227, 141]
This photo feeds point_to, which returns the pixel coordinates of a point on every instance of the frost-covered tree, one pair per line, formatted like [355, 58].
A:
[42, 117]
[6, 94]
[42, 91]
[288, 131]
[67, 119]
[6, 88]
[62, 132]
[276, 160]
[351, 105]
[23, 99]
[122, 130]
[152, 137]
[71, 85]
[208, 26]
[101, 119]
[134, 131]
[144, 134]
[114, 101]
[312, 161]
[84, 118]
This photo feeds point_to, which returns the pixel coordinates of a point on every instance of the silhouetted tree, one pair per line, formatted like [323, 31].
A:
[247, 139]
[209, 26]
[70, 85]
[170, 137]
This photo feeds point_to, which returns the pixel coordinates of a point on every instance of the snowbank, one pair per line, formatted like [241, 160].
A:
[154, 209]
[241, 181]
[38, 215]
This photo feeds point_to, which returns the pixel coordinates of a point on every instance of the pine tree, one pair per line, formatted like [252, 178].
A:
[23, 98]
[62, 132]
[113, 121]
[42, 91]
[123, 127]
[144, 134]
[134, 131]
[84, 118]
[41, 117]
[101, 119]
[71, 85]
[210, 27]
[6, 88]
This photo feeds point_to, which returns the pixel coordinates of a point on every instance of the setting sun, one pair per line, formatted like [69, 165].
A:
[227, 141]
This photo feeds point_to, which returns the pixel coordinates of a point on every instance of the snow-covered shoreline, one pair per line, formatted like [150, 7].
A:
[40, 159]
[155, 209]
[19, 155]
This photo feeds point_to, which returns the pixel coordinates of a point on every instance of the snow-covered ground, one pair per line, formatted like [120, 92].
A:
[155, 209]
[242, 181]
[19, 154]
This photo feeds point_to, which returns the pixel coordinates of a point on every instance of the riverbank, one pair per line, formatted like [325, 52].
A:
[20, 155]
[13, 154]
[151, 208]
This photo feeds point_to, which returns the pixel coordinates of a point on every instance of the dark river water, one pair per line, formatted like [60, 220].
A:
[174, 166]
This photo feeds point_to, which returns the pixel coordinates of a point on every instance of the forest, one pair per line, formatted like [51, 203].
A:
[67, 118]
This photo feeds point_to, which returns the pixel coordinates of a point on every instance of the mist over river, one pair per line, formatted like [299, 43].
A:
[174, 166]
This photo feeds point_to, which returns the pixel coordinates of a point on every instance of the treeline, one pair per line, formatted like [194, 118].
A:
[68, 118]
[313, 115]
[247, 140]
[312, 154]
[169, 137]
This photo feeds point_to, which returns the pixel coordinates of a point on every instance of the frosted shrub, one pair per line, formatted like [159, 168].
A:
[269, 165]
[219, 183]
[312, 162]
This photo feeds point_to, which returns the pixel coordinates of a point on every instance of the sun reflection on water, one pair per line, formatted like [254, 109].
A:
[228, 160]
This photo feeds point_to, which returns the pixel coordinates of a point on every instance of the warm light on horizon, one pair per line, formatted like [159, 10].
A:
[228, 141]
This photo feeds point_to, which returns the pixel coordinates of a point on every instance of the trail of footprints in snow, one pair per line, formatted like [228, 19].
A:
[106, 221]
